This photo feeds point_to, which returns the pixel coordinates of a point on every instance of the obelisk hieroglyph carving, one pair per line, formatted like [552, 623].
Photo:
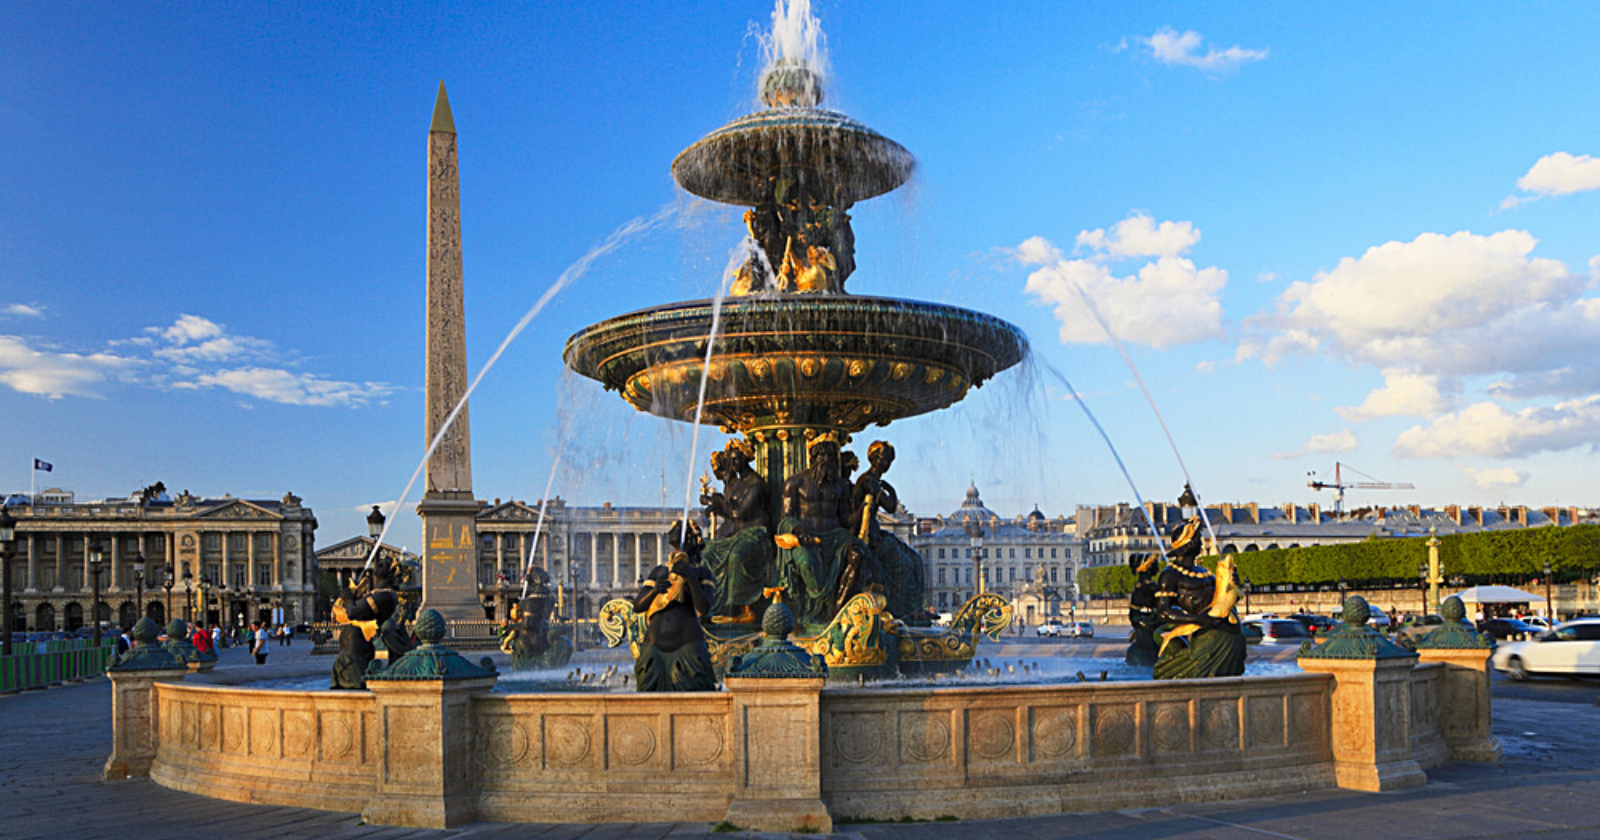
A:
[448, 509]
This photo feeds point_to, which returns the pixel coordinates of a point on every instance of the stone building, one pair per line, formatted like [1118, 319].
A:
[1030, 560]
[253, 555]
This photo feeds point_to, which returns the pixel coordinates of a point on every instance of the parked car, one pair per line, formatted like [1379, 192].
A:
[1414, 627]
[1572, 649]
[1315, 623]
[1538, 621]
[1051, 629]
[1251, 630]
[1280, 631]
[1507, 628]
[1379, 620]
[1078, 630]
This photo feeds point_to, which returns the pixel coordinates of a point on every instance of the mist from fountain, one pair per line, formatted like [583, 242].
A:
[796, 37]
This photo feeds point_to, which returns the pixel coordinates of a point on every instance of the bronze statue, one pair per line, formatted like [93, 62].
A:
[674, 655]
[898, 566]
[1200, 632]
[1142, 611]
[372, 610]
[740, 558]
[529, 638]
[802, 240]
[814, 538]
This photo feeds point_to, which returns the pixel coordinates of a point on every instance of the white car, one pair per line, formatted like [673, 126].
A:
[1572, 649]
[1050, 628]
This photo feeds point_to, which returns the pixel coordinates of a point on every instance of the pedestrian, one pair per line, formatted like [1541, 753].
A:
[124, 643]
[259, 642]
[288, 635]
[202, 640]
[216, 637]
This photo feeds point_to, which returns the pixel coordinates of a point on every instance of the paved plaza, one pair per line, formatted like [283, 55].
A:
[53, 743]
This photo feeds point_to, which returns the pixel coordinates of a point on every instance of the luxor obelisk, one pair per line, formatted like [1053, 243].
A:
[448, 508]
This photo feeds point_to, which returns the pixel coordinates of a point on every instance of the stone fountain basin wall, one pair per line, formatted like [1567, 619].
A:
[312, 749]
[885, 754]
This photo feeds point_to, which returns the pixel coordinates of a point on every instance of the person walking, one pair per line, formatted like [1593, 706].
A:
[258, 645]
[216, 637]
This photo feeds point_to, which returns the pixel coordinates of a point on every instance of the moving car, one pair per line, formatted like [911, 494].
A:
[1415, 627]
[1315, 623]
[1078, 630]
[1572, 649]
[1050, 628]
[1280, 631]
[1507, 628]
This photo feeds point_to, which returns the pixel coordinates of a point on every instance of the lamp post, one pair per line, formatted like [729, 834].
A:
[96, 559]
[1549, 605]
[1344, 588]
[572, 575]
[975, 538]
[1433, 573]
[8, 537]
[167, 584]
[1244, 584]
[375, 521]
[188, 594]
[138, 586]
[205, 599]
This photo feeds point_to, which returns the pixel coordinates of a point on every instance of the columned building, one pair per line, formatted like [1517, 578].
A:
[1030, 560]
[229, 561]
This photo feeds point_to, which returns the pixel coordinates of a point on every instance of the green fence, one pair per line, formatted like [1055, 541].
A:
[38, 664]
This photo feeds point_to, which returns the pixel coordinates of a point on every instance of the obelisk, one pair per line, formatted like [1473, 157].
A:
[448, 508]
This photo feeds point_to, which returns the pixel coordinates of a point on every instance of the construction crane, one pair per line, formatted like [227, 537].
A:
[1339, 485]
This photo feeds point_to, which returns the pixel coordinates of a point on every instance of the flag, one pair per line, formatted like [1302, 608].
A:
[42, 466]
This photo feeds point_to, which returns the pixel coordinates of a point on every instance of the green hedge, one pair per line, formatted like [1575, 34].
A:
[1510, 557]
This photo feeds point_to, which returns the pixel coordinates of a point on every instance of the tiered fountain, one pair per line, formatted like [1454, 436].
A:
[793, 359]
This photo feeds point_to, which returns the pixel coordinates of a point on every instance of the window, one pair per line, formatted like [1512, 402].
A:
[237, 542]
[1052, 554]
[941, 576]
[1011, 574]
[941, 554]
[213, 542]
[1013, 554]
[263, 574]
[1027, 553]
[1052, 574]
[969, 577]
[240, 579]
[942, 602]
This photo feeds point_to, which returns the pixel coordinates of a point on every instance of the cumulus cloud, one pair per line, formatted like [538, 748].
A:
[1341, 441]
[23, 310]
[1402, 394]
[1558, 174]
[1497, 478]
[1489, 430]
[53, 374]
[290, 388]
[194, 339]
[1183, 49]
[1166, 302]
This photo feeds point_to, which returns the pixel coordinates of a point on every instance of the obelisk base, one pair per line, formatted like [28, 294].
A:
[450, 555]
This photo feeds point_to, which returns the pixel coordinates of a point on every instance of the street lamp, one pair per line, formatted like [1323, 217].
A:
[188, 594]
[1244, 584]
[167, 584]
[1549, 605]
[1422, 586]
[138, 586]
[975, 537]
[8, 538]
[96, 559]
[375, 521]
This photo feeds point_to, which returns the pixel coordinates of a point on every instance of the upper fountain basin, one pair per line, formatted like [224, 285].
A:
[832, 361]
[736, 164]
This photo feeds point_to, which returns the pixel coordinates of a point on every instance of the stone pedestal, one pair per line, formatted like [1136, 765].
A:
[1464, 703]
[450, 555]
[425, 737]
[1371, 722]
[778, 778]
[136, 720]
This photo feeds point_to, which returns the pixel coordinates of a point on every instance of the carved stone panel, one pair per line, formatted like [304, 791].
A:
[1055, 732]
[1115, 730]
[340, 737]
[1219, 725]
[857, 738]
[299, 733]
[925, 737]
[569, 742]
[631, 742]
[1169, 727]
[266, 726]
[1306, 720]
[991, 735]
[1266, 721]
[698, 742]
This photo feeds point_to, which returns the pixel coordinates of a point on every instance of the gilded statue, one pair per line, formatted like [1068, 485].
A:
[897, 566]
[815, 543]
[1142, 610]
[372, 610]
[801, 241]
[673, 655]
[740, 558]
[1199, 632]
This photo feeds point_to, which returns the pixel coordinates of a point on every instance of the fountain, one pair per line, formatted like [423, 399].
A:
[796, 366]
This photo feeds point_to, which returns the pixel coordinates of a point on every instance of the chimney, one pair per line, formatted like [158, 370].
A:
[1477, 515]
[1454, 512]
[1292, 513]
[1315, 510]
[1554, 514]
[1572, 516]
[1255, 513]
[1522, 515]
[1416, 510]
[1227, 512]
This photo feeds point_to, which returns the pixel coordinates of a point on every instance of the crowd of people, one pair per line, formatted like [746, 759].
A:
[258, 637]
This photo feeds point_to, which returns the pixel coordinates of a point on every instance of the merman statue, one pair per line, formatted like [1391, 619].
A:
[898, 565]
[814, 541]
[373, 608]
[740, 558]
[674, 655]
[1142, 611]
[1199, 629]
[528, 636]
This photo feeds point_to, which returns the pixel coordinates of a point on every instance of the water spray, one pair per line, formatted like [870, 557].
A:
[705, 376]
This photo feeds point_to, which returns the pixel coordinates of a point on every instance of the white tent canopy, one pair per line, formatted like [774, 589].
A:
[1497, 595]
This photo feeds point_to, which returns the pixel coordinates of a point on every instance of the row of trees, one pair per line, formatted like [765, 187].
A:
[1510, 557]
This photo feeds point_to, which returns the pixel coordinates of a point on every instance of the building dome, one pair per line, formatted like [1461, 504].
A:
[1037, 515]
[972, 508]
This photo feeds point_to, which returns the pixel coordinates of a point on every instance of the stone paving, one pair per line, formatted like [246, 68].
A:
[53, 743]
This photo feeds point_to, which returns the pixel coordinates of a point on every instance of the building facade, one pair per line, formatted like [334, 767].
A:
[228, 561]
[1031, 560]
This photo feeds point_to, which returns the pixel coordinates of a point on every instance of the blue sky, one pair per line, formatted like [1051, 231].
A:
[1364, 234]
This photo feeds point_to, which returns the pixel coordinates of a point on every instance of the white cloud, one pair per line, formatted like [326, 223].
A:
[1167, 302]
[1556, 174]
[1496, 478]
[1173, 48]
[1341, 441]
[54, 374]
[23, 310]
[386, 508]
[193, 339]
[1489, 430]
[1140, 236]
[282, 386]
[1402, 394]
